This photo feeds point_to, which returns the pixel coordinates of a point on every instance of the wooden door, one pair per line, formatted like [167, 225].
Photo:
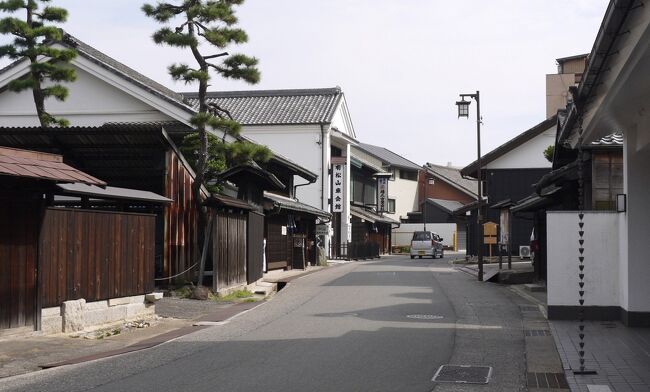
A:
[19, 226]
[254, 261]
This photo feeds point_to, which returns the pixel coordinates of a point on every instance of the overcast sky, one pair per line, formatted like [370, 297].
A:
[400, 63]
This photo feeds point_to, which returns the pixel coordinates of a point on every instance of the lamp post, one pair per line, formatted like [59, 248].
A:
[463, 111]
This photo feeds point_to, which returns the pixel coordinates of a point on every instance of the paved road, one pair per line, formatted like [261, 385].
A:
[355, 327]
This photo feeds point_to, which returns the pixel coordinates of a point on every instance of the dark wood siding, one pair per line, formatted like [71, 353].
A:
[95, 255]
[19, 222]
[229, 249]
[255, 247]
[180, 242]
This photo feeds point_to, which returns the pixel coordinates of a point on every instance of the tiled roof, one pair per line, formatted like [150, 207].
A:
[448, 205]
[295, 205]
[615, 139]
[115, 66]
[276, 107]
[388, 157]
[42, 166]
[370, 216]
[452, 176]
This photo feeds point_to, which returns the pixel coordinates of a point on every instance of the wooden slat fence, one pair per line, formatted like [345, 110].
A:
[95, 255]
[229, 249]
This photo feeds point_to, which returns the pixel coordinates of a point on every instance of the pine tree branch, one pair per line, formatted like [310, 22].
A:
[216, 55]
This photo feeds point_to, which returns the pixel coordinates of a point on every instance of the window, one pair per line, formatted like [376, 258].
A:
[408, 175]
[607, 180]
[391, 206]
[421, 236]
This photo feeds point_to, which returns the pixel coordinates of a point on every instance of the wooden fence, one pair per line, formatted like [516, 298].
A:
[228, 249]
[95, 255]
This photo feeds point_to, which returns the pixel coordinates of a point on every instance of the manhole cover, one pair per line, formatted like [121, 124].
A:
[425, 316]
[465, 374]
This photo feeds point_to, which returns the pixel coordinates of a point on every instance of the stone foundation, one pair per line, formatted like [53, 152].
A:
[79, 315]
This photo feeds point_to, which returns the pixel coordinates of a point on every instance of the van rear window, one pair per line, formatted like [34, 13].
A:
[421, 236]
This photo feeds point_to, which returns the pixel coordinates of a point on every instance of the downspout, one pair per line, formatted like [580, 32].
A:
[323, 132]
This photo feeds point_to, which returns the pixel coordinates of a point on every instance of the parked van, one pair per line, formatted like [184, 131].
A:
[426, 243]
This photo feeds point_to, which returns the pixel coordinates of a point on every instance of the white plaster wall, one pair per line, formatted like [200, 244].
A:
[636, 265]
[342, 120]
[402, 235]
[601, 258]
[91, 102]
[528, 155]
[405, 193]
[299, 143]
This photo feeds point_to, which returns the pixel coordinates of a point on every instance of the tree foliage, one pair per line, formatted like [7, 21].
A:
[548, 153]
[199, 25]
[33, 37]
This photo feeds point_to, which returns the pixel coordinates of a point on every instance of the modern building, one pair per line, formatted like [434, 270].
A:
[569, 73]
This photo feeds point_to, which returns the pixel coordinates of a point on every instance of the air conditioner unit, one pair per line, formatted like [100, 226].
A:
[524, 252]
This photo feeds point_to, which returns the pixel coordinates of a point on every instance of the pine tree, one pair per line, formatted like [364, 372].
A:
[33, 39]
[198, 25]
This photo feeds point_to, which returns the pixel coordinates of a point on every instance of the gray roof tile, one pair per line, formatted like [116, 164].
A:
[388, 157]
[449, 205]
[276, 107]
[615, 139]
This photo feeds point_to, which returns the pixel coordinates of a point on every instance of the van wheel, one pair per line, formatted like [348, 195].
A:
[412, 257]
[419, 257]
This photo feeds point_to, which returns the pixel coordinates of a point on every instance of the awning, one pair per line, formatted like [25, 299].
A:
[294, 205]
[535, 202]
[251, 172]
[503, 204]
[111, 192]
[227, 201]
[42, 166]
[370, 216]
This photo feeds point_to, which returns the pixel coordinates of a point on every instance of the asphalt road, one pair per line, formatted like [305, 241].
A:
[382, 325]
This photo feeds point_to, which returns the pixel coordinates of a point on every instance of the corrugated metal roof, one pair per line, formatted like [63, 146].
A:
[276, 107]
[295, 205]
[453, 177]
[111, 192]
[32, 164]
[388, 157]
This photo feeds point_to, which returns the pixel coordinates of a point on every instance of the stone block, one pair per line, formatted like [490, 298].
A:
[126, 300]
[96, 305]
[73, 315]
[153, 297]
[134, 311]
[51, 324]
[50, 312]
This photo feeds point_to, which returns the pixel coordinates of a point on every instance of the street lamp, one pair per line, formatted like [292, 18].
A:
[463, 111]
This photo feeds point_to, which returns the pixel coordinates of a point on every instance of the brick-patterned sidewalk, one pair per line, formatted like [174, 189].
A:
[619, 354]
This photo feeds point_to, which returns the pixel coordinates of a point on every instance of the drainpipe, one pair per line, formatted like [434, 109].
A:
[324, 177]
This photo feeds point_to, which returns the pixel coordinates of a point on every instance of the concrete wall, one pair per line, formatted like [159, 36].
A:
[402, 235]
[601, 258]
[79, 315]
[405, 193]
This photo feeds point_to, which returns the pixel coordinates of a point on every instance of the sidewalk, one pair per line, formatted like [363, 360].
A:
[175, 317]
[620, 355]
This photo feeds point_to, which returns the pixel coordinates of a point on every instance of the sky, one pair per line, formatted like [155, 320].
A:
[400, 63]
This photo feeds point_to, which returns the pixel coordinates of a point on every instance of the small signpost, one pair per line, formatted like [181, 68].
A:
[490, 234]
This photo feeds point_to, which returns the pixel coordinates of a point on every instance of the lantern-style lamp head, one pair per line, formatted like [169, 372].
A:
[463, 108]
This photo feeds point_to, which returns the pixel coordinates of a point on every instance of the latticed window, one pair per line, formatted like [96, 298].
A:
[607, 180]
